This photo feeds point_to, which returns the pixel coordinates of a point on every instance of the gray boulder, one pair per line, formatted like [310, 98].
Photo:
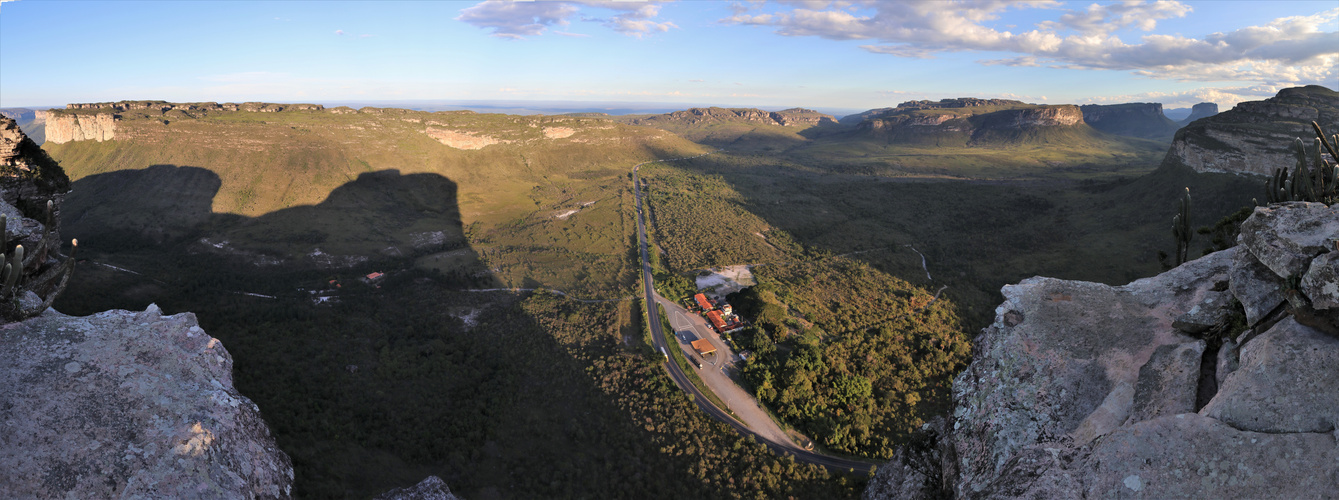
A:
[1285, 383]
[126, 404]
[1255, 286]
[1285, 237]
[1321, 281]
[1061, 362]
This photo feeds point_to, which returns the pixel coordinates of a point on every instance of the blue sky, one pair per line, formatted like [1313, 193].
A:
[818, 54]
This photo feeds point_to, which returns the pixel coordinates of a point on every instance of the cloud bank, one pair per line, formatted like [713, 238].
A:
[519, 20]
[1283, 52]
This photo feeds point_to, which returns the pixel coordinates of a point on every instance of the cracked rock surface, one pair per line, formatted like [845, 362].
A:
[1084, 390]
[124, 404]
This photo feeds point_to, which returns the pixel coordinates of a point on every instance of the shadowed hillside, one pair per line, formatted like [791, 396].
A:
[371, 384]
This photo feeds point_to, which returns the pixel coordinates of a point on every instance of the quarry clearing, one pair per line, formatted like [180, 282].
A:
[726, 280]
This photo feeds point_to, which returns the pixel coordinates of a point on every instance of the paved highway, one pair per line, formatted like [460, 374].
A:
[676, 373]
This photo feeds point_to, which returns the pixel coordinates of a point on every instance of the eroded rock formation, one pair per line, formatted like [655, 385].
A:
[1168, 387]
[1256, 137]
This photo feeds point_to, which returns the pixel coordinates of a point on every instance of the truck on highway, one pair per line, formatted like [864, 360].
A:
[662, 351]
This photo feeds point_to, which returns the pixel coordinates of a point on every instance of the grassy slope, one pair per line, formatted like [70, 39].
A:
[283, 174]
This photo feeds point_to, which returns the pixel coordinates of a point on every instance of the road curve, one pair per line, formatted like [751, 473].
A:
[676, 373]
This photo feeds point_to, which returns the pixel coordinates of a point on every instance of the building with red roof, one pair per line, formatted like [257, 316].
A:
[703, 302]
[716, 320]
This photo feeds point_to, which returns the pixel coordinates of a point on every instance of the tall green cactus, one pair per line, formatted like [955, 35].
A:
[1313, 179]
[1181, 229]
[47, 280]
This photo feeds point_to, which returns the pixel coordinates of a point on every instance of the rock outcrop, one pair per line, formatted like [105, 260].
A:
[432, 488]
[1162, 388]
[1135, 119]
[1256, 137]
[117, 404]
[32, 190]
[128, 405]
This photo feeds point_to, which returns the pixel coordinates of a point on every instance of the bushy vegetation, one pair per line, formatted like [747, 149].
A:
[853, 357]
[536, 396]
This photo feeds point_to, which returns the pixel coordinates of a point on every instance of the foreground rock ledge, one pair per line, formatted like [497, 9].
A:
[1084, 390]
[128, 405]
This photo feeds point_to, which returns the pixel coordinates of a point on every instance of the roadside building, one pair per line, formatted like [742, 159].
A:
[703, 347]
[716, 320]
[703, 302]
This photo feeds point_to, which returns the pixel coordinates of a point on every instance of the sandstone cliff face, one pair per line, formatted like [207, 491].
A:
[1256, 137]
[129, 405]
[1045, 116]
[969, 121]
[1136, 119]
[1083, 390]
[62, 128]
[794, 117]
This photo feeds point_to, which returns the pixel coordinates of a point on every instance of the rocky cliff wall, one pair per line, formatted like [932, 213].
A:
[1212, 380]
[1256, 137]
[1041, 116]
[1136, 119]
[126, 404]
[794, 117]
[62, 128]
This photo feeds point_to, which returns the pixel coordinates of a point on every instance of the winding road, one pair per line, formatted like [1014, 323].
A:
[772, 435]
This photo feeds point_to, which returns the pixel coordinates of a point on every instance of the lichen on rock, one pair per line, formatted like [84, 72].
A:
[129, 405]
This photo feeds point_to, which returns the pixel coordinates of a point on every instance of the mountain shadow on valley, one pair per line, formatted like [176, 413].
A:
[378, 361]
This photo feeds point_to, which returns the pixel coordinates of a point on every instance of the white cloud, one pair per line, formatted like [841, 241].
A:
[1285, 50]
[1224, 97]
[339, 32]
[518, 20]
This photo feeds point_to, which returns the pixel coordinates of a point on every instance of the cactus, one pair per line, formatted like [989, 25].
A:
[1181, 229]
[1314, 179]
[28, 273]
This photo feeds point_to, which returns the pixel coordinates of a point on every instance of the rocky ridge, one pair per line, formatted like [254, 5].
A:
[794, 117]
[1255, 137]
[1214, 379]
[118, 404]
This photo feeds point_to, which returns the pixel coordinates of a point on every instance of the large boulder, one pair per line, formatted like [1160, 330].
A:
[126, 404]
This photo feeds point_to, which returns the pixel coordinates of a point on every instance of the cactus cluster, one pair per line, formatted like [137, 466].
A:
[22, 297]
[1313, 179]
[1181, 229]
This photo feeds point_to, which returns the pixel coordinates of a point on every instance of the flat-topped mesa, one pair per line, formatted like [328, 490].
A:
[959, 102]
[164, 106]
[1201, 110]
[99, 121]
[1136, 119]
[1256, 137]
[793, 117]
[971, 121]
